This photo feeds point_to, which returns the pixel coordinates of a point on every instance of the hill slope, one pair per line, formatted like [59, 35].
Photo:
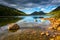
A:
[55, 13]
[57, 9]
[7, 11]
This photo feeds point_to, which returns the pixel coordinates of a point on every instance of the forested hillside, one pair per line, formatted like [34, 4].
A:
[8, 11]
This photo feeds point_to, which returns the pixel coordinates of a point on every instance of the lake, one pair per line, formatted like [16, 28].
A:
[18, 19]
[24, 21]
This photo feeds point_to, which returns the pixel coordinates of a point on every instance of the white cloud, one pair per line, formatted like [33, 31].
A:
[29, 4]
[44, 2]
[28, 8]
[42, 9]
[53, 8]
[13, 5]
[55, 1]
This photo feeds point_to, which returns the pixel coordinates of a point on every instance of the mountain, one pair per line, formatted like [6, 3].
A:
[8, 11]
[55, 12]
[38, 13]
[57, 9]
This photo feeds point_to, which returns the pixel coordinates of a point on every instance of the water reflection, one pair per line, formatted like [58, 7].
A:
[32, 19]
[27, 19]
[8, 20]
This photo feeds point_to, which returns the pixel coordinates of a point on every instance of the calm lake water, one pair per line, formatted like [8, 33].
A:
[33, 19]
[26, 21]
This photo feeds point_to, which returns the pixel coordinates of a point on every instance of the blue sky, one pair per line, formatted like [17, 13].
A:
[44, 9]
[29, 6]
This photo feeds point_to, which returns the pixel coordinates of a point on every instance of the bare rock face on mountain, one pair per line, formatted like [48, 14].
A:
[13, 27]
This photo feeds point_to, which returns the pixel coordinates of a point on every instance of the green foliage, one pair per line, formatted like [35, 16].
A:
[56, 14]
[8, 11]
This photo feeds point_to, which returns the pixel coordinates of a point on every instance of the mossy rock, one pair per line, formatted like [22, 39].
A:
[13, 27]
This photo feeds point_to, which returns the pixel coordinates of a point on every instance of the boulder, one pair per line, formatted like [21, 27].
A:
[58, 29]
[13, 27]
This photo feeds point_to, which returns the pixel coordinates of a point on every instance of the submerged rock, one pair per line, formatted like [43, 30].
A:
[13, 27]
